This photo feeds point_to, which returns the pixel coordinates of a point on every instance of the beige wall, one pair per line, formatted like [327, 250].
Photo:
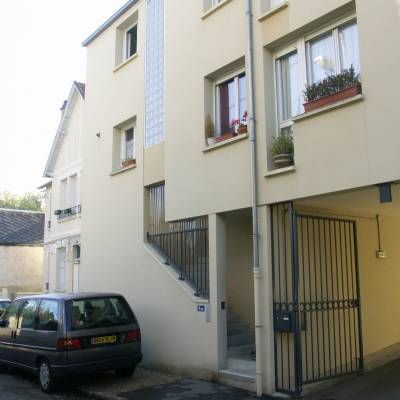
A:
[21, 268]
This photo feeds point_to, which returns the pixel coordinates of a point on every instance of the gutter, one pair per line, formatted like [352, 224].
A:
[254, 191]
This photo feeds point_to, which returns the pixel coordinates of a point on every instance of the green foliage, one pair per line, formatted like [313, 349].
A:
[26, 201]
[209, 127]
[332, 84]
[282, 144]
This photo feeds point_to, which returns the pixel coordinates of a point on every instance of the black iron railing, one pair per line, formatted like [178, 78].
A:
[186, 250]
[68, 212]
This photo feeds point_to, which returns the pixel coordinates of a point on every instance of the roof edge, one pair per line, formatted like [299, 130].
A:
[109, 22]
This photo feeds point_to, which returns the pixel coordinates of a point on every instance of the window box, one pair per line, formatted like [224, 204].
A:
[225, 136]
[283, 160]
[333, 98]
[282, 150]
[128, 163]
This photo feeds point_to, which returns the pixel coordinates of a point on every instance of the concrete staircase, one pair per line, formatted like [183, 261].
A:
[241, 369]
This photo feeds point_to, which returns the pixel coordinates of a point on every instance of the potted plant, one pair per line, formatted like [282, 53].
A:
[243, 124]
[128, 162]
[210, 131]
[282, 150]
[332, 89]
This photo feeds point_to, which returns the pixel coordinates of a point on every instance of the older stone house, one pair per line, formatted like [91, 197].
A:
[21, 251]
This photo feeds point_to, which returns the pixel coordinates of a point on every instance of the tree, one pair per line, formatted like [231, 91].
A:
[26, 201]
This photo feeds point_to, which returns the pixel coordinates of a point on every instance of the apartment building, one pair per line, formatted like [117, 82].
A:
[63, 210]
[268, 269]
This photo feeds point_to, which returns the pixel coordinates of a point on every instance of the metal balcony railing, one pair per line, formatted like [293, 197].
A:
[68, 212]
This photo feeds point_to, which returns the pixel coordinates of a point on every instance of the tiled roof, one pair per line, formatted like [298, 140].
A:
[21, 227]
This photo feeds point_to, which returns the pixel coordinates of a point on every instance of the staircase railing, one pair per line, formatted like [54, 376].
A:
[187, 251]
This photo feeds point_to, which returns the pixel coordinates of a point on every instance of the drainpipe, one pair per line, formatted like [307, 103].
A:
[254, 190]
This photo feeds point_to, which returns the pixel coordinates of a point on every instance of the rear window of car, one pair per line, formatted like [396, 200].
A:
[99, 312]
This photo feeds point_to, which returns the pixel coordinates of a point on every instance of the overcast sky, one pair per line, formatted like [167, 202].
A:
[41, 55]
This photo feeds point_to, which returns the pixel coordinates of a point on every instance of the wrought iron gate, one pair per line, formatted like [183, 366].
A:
[317, 317]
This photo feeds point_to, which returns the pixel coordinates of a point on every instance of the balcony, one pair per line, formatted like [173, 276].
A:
[68, 212]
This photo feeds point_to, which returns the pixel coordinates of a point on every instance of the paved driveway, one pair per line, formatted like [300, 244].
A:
[381, 384]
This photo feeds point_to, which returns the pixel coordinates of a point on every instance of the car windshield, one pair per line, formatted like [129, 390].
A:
[100, 312]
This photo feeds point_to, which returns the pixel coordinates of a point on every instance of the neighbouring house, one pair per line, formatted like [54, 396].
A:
[269, 269]
[21, 252]
[63, 210]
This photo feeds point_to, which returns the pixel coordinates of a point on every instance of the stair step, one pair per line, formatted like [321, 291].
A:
[237, 379]
[240, 339]
[237, 327]
[240, 350]
[247, 367]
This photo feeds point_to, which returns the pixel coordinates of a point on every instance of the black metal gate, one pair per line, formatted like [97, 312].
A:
[317, 317]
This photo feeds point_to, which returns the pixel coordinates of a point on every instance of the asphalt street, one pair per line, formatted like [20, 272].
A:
[22, 386]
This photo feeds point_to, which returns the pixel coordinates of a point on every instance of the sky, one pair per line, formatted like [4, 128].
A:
[41, 55]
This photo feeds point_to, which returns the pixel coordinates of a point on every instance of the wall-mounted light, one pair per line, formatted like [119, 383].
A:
[385, 192]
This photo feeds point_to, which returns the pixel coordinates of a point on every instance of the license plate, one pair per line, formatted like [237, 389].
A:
[104, 339]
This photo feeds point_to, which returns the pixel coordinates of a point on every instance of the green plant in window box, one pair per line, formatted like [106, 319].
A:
[209, 131]
[128, 162]
[332, 89]
[282, 150]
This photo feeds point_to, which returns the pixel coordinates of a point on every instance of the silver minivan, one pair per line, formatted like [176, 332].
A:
[56, 335]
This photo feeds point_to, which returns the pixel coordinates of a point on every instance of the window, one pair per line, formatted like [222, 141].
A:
[310, 59]
[126, 40]
[155, 70]
[63, 194]
[268, 5]
[76, 252]
[27, 314]
[231, 104]
[333, 52]
[214, 3]
[128, 148]
[99, 312]
[10, 316]
[61, 268]
[130, 41]
[48, 316]
[288, 87]
[73, 191]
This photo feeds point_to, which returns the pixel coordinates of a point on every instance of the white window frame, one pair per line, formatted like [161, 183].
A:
[61, 271]
[123, 142]
[233, 75]
[126, 43]
[214, 3]
[301, 46]
[70, 179]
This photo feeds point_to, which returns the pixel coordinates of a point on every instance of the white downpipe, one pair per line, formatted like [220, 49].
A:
[254, 187]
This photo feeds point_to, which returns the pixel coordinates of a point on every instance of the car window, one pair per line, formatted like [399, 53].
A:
[48, 316]
[100, 312]
[27, 314]
[10, 315]
[4, 305]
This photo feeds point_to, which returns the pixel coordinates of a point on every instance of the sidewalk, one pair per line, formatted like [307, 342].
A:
[150, 385]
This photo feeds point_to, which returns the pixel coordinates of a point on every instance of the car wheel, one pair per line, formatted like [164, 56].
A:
[46, 378]
[126, 372]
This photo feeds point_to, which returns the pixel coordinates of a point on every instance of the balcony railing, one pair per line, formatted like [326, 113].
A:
[68, 212]
[186, 250]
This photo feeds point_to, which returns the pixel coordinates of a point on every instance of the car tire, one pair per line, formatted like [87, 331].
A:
[126, 372]
[46, 378]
